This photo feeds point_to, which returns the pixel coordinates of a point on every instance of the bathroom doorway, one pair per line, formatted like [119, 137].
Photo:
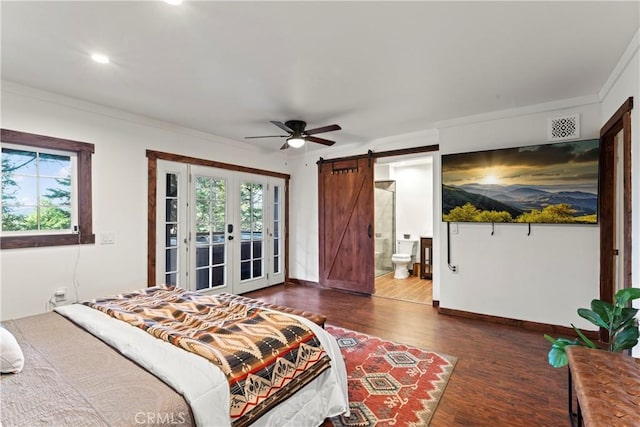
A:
[403, 210]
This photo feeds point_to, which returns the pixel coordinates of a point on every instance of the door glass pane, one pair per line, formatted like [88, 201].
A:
[276, 229]
[257, 268]
[171, 279]
[218, 254]
[202, 278]
[171, 238]
[245, 251]
[171, 235]
[172, 185]
[210, 211]
[251, 230]
[257, 249]
[172, 260]
[218, 276]
[202, 256]
[172, 210]
[245, 270]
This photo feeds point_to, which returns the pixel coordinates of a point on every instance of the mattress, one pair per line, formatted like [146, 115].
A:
[72, 378]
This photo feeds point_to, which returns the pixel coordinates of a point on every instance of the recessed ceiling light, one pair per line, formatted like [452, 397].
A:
[173, 2]
[100, 58]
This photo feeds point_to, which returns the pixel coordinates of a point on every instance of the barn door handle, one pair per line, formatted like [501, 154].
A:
[369, 230]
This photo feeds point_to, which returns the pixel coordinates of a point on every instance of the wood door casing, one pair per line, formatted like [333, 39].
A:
[345, 205]
[608, 203]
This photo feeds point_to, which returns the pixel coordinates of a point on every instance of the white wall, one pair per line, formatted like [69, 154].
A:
[30, 276]
[625, 82]
[381, 172]
[542, 278]
[414, 199]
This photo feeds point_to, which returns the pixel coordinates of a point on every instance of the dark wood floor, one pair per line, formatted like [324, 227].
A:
[501, 378]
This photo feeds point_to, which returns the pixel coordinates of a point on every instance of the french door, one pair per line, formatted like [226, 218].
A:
[218, 230]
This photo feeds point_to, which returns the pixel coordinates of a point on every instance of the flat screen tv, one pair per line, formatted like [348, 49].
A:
[547, 183]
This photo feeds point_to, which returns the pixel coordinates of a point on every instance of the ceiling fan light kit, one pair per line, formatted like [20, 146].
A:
[297, 135]
[295, 142]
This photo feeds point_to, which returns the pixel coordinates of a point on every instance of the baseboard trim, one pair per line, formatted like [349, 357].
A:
[524, 324]
[294, 281]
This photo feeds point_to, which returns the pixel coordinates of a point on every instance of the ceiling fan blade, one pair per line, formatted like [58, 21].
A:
[322, 129]
[285, 146]
[266, 136]
[319, 140]
[282, 126]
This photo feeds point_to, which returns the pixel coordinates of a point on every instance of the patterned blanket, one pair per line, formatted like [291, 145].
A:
[266, 355]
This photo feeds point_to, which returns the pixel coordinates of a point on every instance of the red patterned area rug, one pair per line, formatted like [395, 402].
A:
[390, 384]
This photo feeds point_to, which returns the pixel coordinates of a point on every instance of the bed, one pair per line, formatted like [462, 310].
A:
[122, 374]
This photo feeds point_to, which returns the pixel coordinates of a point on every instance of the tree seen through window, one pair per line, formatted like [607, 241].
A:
[36, 190]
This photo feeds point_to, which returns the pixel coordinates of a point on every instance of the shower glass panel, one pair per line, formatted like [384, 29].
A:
[385, 225]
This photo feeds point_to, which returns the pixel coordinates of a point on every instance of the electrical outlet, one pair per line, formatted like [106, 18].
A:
[60, 294]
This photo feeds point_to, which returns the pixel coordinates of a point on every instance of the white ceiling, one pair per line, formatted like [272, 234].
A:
[376, 68]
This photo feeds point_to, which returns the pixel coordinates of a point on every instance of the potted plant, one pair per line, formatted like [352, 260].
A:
[618, 319]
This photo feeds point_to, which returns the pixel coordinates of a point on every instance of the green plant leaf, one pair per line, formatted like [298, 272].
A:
[549, 338]
[586, 340]
[593, 317]
[627, 314]
[626, 338]
[557, 357]
[603, 309]
[623, 296]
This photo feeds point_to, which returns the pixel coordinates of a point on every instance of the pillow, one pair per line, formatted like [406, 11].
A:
[11, 357]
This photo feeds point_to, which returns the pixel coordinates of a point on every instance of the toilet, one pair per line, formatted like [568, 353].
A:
[404, 256]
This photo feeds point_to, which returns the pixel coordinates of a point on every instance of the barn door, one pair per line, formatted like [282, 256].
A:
[345, 189]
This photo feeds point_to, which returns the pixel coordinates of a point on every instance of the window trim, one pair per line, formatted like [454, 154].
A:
[83, 151]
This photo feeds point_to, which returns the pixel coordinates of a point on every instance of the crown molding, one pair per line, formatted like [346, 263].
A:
[622, 64]
[520, 111]
[114, 113]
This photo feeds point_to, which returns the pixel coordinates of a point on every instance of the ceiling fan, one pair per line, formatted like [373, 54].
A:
[297, 135]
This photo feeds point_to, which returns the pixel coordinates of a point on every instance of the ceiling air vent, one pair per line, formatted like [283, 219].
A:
[564, 128]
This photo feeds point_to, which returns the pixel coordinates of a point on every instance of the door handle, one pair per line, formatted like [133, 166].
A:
[369, 230]
[230, 228]
[230, 237]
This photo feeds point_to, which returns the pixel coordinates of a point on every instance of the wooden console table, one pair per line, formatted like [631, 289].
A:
[607, 387]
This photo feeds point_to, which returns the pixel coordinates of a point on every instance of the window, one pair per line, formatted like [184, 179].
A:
[46, 191]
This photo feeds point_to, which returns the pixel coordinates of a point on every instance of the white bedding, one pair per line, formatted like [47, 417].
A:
[204, 385]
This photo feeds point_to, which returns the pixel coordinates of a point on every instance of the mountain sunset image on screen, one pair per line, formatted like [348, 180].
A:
[549, 183]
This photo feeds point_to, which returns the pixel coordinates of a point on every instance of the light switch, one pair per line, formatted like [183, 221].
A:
[108, 238]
